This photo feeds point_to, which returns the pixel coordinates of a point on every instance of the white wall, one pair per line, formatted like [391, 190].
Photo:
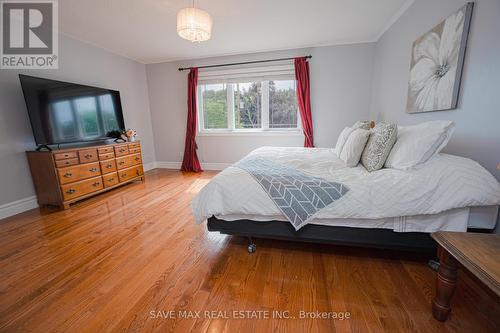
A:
[340, 95]
[477, 118]
[81, 63]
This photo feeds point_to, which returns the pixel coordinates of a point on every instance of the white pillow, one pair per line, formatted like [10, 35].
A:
[342, 139]
[419, 143]
[354, 146]
[364, 124]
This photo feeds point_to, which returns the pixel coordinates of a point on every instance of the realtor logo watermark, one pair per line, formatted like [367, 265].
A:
[29, 38]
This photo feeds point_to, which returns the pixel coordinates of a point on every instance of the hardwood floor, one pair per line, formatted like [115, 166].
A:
[115, 262]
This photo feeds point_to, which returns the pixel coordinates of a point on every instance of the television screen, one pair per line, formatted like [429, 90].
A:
[62, 112]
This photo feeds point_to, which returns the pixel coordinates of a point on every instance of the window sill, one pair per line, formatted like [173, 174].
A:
[251, 133]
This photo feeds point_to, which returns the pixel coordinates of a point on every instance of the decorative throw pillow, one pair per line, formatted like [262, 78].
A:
[382, 138]
[418, 143]
[342, 139]
[353, 147]
[364, 124]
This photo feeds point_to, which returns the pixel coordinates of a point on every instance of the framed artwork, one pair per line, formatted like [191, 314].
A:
[436, 64]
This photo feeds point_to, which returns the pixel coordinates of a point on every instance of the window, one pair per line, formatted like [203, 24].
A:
[243, 105]
[282, 104]
[247, 105]
[214, 106]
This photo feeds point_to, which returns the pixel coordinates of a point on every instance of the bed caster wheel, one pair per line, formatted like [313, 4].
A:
[252, 248]
[433, 264]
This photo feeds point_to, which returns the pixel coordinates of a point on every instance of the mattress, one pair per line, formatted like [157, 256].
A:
[403, 199]
[484, 217]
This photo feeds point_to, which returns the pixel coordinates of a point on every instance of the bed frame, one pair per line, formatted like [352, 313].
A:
[363, 237]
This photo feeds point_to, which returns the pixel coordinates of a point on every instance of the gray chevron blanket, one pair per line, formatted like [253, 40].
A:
[297, 195]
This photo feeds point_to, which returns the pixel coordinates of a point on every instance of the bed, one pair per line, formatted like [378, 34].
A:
[387, 208]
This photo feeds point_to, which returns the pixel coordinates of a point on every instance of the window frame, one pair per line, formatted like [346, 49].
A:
[228, 77]
[201, 114]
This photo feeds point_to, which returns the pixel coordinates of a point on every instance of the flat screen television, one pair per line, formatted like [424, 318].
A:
[63, 112]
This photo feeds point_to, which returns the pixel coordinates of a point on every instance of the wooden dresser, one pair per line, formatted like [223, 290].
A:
[64, 176]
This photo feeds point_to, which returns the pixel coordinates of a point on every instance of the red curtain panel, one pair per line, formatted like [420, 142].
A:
[304, 99]
[190, 161]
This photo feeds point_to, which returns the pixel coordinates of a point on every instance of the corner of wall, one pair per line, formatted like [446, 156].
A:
[375, 75]
[148, 101]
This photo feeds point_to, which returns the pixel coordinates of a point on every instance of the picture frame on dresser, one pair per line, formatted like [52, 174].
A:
[65, 176]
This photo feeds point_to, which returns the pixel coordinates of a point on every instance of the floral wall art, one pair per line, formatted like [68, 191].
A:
[436, 64]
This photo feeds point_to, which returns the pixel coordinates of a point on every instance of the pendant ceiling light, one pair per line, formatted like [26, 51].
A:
[194, 24]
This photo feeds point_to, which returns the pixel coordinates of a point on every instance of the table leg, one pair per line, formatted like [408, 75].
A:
[445, 284]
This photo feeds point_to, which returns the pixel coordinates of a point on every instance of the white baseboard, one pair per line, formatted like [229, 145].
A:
[149, 166]
[204, 166]
[168, 165]
[214, 166]
[18, 206]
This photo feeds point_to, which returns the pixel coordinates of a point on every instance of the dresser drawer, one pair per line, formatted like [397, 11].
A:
[65, 163]
[128, 161]
[130, 173]
[62, 156]
[78, 189]
[134, 145]
[88, 155]
[134, 150]
[121, 150]
[105, 150]
[106, 156]
[108, 166]
[78, 172]
[136, 159]
[110, 179]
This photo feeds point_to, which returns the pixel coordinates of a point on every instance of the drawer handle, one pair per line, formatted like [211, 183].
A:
[124, 175]
[70, 191]
[88, 156]
[137, 158]
[66, 155]
[67, 162]
[121, 162]
[96, 184]
[110, 179]
[68, 174]
[93, 170]
[109, 166]
[122, 150]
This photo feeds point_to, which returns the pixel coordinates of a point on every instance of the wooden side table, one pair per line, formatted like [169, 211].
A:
[476, 252]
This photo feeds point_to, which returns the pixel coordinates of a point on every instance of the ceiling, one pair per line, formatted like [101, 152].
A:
[145, 30]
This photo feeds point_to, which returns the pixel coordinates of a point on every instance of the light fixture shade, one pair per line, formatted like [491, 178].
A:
[194, 24]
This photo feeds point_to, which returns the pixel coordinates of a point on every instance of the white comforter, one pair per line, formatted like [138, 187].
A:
[443, 183]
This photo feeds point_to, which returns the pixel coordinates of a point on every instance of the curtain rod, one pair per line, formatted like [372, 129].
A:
[241, 63]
